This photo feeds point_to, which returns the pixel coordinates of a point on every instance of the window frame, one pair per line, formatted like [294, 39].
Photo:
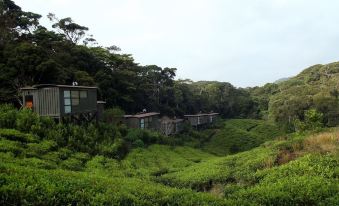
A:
[75, 96]
[68, 105]
[142, 123]
[81, 94]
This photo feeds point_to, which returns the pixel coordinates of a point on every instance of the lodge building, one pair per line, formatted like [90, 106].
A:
[80, 104]
[143, 120]
[62, 101]
[201, 119]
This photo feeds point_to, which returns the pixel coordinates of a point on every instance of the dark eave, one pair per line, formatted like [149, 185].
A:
[142, 115]
[61, 86]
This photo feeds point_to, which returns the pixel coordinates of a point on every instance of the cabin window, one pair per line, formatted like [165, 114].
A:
[83, 94]
[67, 94]
[67, 101]
[142, 123]
[75, 98]
[198, 120]
[211, 119]
[68, 109]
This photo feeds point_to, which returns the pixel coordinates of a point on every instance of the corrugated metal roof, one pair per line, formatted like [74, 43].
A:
[58, 85]
[28, 88]
[202, 114]
[142, 115]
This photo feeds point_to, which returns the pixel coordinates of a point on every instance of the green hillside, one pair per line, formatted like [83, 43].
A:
[316, 87]
[273, 173]
[39, 170]
[238, 135]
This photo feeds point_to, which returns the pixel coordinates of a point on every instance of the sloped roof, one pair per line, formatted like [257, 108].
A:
[202, 114]
[38, 86]
[142, 115]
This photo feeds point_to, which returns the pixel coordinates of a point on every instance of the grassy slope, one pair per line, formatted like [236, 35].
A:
[274, 173]
[40, 173]
[300, 170]
[241, 135]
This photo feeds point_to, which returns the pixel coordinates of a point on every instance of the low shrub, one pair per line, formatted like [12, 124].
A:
[16, 135]
[7, 116]
[11, 146]
[71, 164]
[25, 120]
[41, 148]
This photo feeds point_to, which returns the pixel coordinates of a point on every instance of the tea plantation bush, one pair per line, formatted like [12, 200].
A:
[53, 164]
[239, 135]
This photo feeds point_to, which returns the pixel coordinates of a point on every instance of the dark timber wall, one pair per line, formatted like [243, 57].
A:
[58, 101]
[46, 101]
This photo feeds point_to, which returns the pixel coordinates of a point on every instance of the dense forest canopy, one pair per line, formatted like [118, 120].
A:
[32, 54]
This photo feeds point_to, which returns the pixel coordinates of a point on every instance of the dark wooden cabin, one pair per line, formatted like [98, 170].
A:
[169, 126]
[200, 119]
[60, 101]
[148, 120]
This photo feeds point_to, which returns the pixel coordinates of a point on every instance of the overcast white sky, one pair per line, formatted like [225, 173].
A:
[244, 42]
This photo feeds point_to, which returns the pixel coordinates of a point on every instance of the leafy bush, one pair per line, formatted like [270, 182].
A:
[26, 119]
[16, 135]
[113, 115]
[41, 148]
[11, 146]
[138, 143]
[72, 164]
[239, 135]
[313, 121]
[7, 116]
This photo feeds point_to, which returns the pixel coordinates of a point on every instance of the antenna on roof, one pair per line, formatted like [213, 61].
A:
[144, 110]
[75, 84]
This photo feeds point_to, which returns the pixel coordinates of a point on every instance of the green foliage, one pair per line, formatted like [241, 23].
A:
[314, 88]
[13, 147]
[313, 121]
[113, 115]
[16, 135]
[41, 148]
[313, 173]
[7, 116]
[71, 164]
[44, 163]
[25, 119]
[32, 54]
[240, 135]
[42, 172]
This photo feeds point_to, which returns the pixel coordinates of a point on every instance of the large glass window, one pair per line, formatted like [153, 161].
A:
[75, 98]
[83, 94]
[142, 123]
[67, 102]
[67, 94]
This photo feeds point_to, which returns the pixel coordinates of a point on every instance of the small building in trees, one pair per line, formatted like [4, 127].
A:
[143, 120]
[63, 102]
[169, 126]
[200, 119]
